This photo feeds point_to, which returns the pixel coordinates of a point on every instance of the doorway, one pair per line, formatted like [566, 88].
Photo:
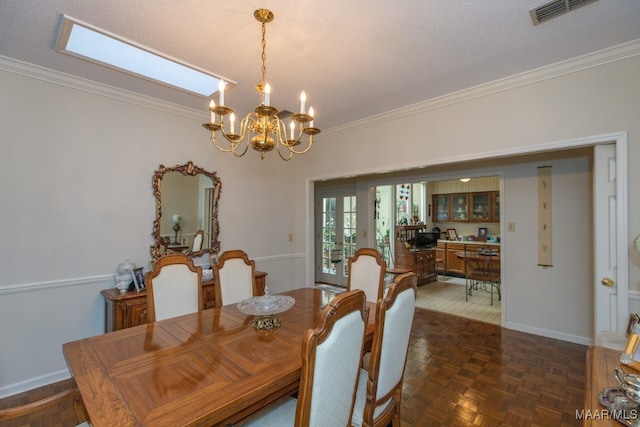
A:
[336, 235]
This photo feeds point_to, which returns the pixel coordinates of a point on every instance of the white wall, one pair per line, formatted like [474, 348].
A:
[75, 185]
[503, 119]
[76, 162]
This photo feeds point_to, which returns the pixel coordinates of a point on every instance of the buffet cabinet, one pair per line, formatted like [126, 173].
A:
[130, 309]
[421, 261]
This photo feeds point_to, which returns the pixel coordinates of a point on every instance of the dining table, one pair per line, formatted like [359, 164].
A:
[206, 368]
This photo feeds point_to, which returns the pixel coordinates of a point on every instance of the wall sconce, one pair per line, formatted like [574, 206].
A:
[176, 227]
[636, 243]
[465, 179]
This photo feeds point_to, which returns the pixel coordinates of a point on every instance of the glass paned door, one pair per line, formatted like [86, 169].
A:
[336, 241]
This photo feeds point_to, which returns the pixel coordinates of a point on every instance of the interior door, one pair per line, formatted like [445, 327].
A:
[335, 235]
[611, 305]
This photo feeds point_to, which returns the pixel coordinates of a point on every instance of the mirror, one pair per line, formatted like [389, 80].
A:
[189, 197]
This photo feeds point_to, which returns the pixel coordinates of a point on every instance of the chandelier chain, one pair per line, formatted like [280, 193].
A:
[264, 53]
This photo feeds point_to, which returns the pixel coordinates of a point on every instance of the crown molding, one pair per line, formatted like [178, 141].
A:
[40, 73]
[569, 66]
[590, 60]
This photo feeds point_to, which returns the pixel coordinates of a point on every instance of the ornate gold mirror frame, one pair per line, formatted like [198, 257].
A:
[211, 245]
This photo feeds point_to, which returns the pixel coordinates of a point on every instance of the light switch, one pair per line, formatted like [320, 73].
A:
[291, 237]
[511, 226]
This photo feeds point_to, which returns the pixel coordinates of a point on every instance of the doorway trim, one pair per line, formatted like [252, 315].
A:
[620, 139]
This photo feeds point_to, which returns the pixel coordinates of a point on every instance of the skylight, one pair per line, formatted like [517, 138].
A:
[81, 40]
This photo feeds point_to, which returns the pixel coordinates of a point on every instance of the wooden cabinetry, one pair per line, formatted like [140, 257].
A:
[467, 207]
[460, 207]
[130, 309]
[453, 265]
[441, 208]
[421, 261]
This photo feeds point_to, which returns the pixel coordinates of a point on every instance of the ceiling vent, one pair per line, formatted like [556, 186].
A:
[555, 8]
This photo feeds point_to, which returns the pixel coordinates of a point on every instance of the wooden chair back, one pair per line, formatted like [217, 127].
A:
[198, 239]
[367, 269]
[331, 361]
[174, 288]
[234, 277]
[380, 387]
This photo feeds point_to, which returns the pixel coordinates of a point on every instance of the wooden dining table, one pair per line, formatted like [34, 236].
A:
[206, 368]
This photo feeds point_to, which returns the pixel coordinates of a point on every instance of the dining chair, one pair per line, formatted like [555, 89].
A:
[198, 239]
[31, 408]
[378, 397]
[174, 288]
[481, 270]
[367, 269]
[331, 360]
[234, 277]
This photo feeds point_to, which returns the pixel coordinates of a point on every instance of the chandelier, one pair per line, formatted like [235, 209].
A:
[262, 129]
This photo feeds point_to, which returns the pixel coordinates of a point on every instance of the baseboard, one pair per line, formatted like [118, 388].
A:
[549, 333]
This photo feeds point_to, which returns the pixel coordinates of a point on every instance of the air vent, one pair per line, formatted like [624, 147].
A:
[284, 114]
[555, 8]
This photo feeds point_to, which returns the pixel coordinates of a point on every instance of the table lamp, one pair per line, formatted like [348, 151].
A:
[176, 227]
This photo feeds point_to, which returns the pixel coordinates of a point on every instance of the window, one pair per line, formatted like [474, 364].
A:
[83, 41]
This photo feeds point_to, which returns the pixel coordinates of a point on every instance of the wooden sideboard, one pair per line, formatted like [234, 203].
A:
[130, 309]
[601, 362]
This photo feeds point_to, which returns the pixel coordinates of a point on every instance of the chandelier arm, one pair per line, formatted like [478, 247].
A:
[310, 142]
[286, 159]
[225, 150]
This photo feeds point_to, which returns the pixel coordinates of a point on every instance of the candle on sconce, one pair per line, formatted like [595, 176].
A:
[267, 94]
[212, 105]
[221, 87]
[292, 126]
[311, 112]
[232, 120]
[303, 102]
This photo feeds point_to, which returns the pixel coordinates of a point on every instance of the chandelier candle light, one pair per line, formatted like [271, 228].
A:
[262, 129]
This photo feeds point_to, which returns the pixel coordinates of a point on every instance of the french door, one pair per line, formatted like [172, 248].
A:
[335, 235]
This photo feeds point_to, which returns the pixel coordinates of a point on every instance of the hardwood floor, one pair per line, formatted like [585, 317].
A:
[459, 372]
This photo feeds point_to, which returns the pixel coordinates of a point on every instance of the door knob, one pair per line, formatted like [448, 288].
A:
[607, 282]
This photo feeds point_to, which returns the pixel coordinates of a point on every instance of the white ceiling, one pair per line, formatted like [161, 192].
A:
[354, 58]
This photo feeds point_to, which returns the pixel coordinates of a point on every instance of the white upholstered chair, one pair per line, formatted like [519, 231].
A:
[234, 277]
[30, 408]
[367, 269]
[198, 239]
[174, 288]
[331, 360]
[380, 386]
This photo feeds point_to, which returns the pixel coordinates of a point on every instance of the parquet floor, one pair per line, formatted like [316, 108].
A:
[459, 372]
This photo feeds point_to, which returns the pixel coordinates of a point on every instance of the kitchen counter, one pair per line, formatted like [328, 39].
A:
[454, 266]
[470, 242]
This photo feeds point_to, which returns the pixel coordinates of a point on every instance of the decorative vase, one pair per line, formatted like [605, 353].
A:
[122, 282]
[126, 267]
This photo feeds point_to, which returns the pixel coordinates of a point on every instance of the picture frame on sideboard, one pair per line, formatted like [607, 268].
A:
[138, 278]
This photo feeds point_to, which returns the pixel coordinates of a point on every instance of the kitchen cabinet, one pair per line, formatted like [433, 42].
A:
[460, 207]
[441, 208]
[466, 207]
[453, 265]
